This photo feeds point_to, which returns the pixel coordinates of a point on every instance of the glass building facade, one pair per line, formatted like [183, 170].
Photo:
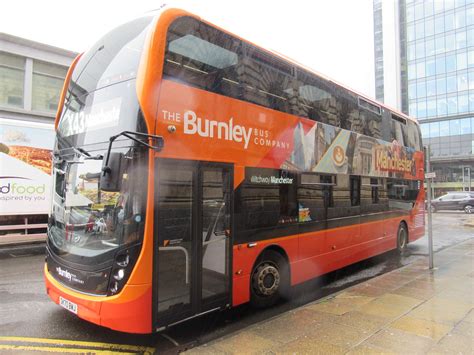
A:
[378, 50]
[436, 47]
[440, 57]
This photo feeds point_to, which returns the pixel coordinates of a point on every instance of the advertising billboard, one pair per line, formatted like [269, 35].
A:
[25, 167]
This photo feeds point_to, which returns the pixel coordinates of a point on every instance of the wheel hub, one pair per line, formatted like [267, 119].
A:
[402, 240]
[267, 279]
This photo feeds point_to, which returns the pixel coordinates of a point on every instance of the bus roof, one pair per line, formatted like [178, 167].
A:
[296, 63]
[368, 98]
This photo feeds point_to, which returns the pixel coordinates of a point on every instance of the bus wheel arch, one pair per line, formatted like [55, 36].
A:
[270, 277]
[402, 236]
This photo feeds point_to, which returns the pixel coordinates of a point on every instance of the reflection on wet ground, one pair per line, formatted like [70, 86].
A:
[408, 310]
[27, 311]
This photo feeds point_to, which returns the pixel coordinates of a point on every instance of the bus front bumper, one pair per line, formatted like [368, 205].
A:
[128, 311]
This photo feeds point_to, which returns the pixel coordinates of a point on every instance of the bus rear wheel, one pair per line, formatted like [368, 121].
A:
[402, 237]
[270, 280]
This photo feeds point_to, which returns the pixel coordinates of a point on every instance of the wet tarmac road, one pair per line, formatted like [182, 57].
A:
[26, 311]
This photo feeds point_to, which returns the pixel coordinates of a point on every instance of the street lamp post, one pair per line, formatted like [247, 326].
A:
[429, 176]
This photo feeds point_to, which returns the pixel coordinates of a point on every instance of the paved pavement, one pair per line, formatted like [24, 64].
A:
[408, 310]
[31, 323]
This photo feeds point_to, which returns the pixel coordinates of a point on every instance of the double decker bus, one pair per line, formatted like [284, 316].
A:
[195, 171]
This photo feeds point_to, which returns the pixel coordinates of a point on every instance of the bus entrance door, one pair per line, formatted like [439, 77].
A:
[192, 239]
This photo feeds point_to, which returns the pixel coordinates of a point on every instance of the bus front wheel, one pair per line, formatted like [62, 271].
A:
[402, 237]
[270, 279]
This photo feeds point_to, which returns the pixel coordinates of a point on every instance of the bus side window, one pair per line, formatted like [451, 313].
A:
[373, 126]
[374, 183]
[402, 193]
[328, 182]
[312, 198]
[267, 80]
[260, 206]
[352, 118]
[383, 199]
[399, 130]
[412, 190]
[265, 204]
[355, 190]
[288, 198]
[371, 195]
[202, 56]
[315, 101]
[392, 189]
[414, 136]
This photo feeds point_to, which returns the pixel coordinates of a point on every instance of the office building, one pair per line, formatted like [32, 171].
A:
[31, 79]
[424, 65]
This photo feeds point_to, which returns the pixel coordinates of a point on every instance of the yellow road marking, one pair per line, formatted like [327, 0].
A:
[58, 342]
[58, 350]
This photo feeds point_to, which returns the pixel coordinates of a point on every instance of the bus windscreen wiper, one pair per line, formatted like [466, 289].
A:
[87, 155]
[80, 152]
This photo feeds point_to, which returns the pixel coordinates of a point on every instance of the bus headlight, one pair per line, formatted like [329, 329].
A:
[114, 288]
[123, 260]
[119, 274]
[122, 268]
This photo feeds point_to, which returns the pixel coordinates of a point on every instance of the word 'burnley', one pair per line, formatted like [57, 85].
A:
[221, 130]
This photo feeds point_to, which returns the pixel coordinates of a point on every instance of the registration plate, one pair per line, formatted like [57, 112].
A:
[72, 307]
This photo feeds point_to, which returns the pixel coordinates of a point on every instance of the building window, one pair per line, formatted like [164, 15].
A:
[434, 129]
[47, 84]
[425, 130]
[463, 103]
[454, 128]
[465, 126]
[444, 129]
[431, 107]
[12, 77]
[421, 111]
[442, 105]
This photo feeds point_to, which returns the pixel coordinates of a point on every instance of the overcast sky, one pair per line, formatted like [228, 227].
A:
[333, 37]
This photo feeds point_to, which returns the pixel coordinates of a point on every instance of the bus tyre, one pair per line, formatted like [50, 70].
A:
[402, 237]
[270, 280]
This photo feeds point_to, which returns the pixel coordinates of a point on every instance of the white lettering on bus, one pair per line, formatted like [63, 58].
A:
[257, 179]
[100, 115]
[271, 143]
[222, 130]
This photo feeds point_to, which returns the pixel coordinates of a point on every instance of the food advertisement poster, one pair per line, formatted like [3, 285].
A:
[25, 167]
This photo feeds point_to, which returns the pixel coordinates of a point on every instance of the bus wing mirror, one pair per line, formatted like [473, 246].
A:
[112, 168]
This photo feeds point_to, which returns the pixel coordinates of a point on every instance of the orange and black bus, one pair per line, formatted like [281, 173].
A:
[195, 171]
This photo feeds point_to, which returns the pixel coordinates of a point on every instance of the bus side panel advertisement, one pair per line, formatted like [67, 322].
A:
[25, 168]
[204, 126]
